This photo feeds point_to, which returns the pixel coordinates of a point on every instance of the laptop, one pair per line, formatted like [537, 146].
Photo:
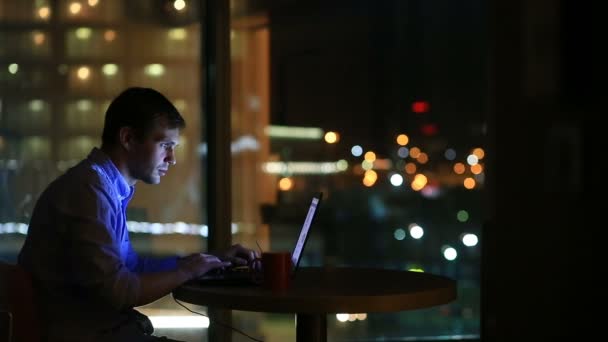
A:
[242, 275]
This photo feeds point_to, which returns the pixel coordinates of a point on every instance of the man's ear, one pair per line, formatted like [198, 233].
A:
[126, 136]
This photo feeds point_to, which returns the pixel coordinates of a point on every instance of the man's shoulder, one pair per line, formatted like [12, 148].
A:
[82, 175]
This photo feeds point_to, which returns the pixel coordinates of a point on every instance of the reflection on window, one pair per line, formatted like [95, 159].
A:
[61, 62]
[23, 117]
[94, 42]
[91, 11]
[84, 115]
[35, 148]
[25, 10]
[33, 43]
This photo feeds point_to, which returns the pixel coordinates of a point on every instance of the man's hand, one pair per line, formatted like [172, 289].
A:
[238, 255]
[197, 264]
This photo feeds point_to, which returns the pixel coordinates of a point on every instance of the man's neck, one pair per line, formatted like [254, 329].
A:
[118, 157]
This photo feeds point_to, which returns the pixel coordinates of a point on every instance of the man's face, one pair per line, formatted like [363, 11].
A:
[150, 158]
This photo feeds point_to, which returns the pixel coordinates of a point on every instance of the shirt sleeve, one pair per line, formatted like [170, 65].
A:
[95, 262]
[138, 264]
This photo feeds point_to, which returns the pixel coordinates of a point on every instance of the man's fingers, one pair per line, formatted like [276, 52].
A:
[243, 253]
[219, 263]
[238, 261]
[210, 258]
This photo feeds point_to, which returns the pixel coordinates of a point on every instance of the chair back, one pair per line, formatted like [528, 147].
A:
[17, 305]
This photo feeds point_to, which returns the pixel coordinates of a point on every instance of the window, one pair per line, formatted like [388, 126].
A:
[61, 63]
[370, 104]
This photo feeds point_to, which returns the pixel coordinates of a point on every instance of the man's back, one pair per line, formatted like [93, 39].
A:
[75, 251]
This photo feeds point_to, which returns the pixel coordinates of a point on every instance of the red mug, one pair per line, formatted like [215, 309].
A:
[277, 270]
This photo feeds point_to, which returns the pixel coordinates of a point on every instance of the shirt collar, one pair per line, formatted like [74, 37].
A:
[98, 157]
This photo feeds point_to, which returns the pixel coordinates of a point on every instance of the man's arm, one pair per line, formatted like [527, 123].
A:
[156, 285]
[139, 264]
[95, 259]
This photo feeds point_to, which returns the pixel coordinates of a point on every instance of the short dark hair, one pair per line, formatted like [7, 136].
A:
[138, 108]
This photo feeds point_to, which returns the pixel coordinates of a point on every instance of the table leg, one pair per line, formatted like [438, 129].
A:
[217, 332]
[311, 328]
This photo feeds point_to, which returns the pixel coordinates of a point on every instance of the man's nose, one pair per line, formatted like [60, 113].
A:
[170, 158]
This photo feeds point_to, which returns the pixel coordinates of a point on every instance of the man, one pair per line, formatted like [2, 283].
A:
[86, 274]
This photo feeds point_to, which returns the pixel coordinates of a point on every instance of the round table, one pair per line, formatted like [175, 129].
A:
[315, 292]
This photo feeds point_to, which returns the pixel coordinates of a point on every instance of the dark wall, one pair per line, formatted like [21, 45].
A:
[538, 251]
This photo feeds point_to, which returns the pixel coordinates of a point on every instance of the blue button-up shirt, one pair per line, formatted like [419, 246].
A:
[79, 253]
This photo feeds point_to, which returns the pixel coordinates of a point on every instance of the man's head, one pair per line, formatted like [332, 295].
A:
[143, 127]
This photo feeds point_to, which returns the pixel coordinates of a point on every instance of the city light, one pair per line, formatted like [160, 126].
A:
[332, 137]
[399, 234]
[356, 151]
[476, 169]
[469, 183]
[84, 105]
[293, 168]
[177, 34]
[44, 12]
[367, 181]
[342, 317]
[154, 228]
[396, 179]
[361, 316]
[402, 139]
[83, 33]
[429, 129]
[383, 164]
[472, 159]
[410, 168]
[449, 253]
[419, 182]
[39, 38]
[75, 8]
[414, 152]
[470, 240]
[420, 107]
[36, 105]
[416, 231]
[342, 165]
[83, 73]
[109, 35]
[367, 165]
[450, 154]
[179, 5]
[154, 70]
[285, 184]
[462, 216]
[479, 152]
[371, 176]
[109, 69]
[13, 227]
[423, 158]
[370, 156]
[292, 132]
[13, 68]
[403, 152]
[431, 191]
[459, 168]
